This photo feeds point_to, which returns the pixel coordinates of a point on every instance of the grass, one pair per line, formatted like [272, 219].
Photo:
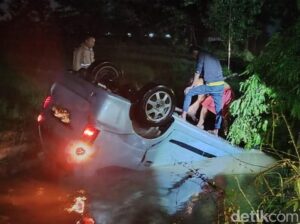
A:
[20, 98]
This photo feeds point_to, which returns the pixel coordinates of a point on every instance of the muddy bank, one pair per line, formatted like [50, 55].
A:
[18, 153]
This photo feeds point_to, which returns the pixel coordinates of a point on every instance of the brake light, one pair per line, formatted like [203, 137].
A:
[47, 101]
[90, 133]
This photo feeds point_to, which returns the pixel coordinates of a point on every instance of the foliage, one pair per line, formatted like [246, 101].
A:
[277, 76]
[250, 110]
[278, 187]
[278, 81]
[26, 10]
[279, 15]
[282, 187]
[20, 100]
[131, 16]
[279, 65]
[234, 19]
[276, 192]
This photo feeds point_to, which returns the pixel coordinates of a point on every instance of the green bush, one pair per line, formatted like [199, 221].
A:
[250, 110]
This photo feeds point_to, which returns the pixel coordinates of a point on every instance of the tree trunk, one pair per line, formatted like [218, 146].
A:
[229, 38]
[193, 36]
[229, 53]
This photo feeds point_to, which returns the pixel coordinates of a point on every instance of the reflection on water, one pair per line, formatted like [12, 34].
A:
[115, 196]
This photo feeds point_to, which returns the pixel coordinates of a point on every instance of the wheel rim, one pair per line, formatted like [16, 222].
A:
[158, 106]
[106, 74]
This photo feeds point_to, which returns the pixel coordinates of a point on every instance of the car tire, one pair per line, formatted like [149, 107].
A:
[104, 73]
[154, 106]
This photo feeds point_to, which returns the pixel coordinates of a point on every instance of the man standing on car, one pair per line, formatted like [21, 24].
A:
[210, 68]
[83, 56]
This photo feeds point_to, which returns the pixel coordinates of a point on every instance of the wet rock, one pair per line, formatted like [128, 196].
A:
[10, 151]
[8, 136]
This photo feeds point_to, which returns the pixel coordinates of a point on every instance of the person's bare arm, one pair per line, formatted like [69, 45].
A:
[195, 82]
[198, 71]
[198, 81]
[196, 77]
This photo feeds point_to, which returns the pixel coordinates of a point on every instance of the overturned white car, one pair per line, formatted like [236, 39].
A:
[92, 122]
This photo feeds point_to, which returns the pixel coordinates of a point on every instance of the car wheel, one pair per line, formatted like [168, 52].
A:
[104, 73]
[155, 105]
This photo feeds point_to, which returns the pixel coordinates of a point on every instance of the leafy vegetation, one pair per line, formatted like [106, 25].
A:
[250, 110]
[271, 96]
[268, 115]
[234, 21]
[279, 65]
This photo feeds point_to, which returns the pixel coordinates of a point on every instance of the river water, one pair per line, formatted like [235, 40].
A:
[119, 196]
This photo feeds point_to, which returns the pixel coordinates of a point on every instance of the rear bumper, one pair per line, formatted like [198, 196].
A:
[54, 148]
[63, 151]
[51, 142]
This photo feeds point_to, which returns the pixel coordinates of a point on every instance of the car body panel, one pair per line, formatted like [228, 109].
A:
[118, 144]
[179, 160]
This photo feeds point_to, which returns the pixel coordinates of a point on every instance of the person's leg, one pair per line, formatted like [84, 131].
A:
[195, 106]
[225, 125]
[217, 94]
[203, 114]
[198, 90]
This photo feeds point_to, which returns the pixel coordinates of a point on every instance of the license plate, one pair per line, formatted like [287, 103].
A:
[61, 114]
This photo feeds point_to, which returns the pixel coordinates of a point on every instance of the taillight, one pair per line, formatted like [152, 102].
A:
[47, 101]
[90, 133]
